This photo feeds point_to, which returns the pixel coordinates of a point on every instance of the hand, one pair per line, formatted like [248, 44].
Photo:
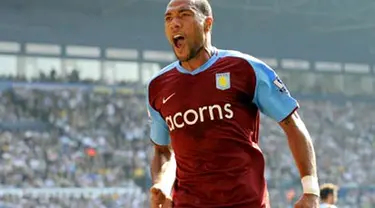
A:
[158, 198]
[167, 203]
[308, 201]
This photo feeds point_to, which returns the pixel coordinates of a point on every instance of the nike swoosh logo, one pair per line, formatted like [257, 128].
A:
[169, 97]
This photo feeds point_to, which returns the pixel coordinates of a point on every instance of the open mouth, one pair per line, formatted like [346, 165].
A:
[178, 40]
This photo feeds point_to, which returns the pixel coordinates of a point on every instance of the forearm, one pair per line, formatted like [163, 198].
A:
[302, 149]
[301, 146]
[161, 166]
[163, 170]
[162, 155]
[167, 175]
[156, 167]
[303, 153]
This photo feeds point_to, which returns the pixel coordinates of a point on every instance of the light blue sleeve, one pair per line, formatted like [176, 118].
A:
[159, 132]
[271, 95]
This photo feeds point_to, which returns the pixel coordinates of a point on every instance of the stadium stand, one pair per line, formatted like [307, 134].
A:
[77, 139]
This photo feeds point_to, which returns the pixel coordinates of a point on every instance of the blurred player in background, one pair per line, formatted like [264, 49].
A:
[328, 195]
[206, 106]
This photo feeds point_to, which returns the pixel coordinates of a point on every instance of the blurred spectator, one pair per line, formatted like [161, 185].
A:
[84, 137]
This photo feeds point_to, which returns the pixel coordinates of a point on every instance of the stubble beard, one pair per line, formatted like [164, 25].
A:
[193, 52]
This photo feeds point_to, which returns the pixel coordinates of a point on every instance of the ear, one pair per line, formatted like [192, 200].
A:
[208, 24]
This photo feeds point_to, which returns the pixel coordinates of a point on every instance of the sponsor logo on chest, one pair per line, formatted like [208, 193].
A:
[202, 113]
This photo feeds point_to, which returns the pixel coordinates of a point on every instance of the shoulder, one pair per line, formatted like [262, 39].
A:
[162, 72]
[254, 62]
[155, 83]
[260, 68]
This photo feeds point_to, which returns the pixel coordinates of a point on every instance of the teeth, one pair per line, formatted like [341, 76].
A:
[177, 36]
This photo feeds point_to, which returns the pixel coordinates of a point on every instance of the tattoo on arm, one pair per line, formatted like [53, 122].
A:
[290, 119]
[287, 120]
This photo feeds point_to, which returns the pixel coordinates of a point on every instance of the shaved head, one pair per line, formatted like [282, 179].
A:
[204, 7]
[201, 6]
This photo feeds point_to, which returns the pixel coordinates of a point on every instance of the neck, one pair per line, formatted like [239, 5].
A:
[201, 58]
[327, 201]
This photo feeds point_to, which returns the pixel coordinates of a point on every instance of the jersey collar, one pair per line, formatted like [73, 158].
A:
[202, 68]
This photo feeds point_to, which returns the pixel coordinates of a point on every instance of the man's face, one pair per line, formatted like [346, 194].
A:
[332, 198]
[184, 28]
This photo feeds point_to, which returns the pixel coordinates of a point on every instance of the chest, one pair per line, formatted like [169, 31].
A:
[211, 95]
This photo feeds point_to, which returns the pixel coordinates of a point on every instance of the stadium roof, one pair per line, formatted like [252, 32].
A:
[323, 15]
[328, 30]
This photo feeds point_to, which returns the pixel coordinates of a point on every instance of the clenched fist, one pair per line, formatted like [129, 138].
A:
[159, 199]
[307, 201]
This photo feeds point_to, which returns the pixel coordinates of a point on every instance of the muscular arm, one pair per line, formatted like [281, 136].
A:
[300, 144]
[163, 169]
[163, 164]
[162, 155]
[273, 99]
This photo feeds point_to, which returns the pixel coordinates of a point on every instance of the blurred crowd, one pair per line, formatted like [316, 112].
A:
[68, 201]
[344, 140]
[80, 137]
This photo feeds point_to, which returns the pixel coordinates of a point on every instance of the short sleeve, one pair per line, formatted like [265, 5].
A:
[159, 132]
[271, 95]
